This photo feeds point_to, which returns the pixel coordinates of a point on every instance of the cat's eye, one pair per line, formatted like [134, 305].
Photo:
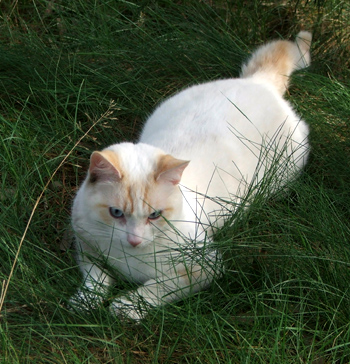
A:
[154, 215]
[116, 212]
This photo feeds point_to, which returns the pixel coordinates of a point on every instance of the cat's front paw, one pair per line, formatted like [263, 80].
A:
[85, 301]
[125, 308]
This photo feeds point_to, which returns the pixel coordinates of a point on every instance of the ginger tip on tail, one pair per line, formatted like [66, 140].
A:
[303, 42]
[274, 62]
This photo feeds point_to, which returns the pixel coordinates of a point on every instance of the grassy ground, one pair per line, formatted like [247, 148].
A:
[285, 297]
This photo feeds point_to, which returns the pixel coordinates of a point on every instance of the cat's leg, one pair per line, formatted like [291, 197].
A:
[95, 285]
[181, 281]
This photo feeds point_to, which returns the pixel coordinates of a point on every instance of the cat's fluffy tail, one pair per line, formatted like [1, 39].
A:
[274, 62]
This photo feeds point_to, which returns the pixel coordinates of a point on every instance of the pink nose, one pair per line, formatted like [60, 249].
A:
[134, 240]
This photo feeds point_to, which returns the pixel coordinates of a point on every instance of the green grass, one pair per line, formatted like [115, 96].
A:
[285, 296]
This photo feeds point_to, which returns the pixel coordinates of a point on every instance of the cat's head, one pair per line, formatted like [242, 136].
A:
[131, 191]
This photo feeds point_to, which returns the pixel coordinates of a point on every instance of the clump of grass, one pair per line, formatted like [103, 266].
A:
[284, 297]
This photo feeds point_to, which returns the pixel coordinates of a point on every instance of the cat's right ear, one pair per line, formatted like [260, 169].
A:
[101, 169]
[170, 169]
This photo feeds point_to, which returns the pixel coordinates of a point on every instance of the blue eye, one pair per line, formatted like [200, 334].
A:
[116, 212]
[154, 215]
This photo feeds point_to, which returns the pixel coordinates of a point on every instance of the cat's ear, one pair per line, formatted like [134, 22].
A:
[170, 169]
[102, 169]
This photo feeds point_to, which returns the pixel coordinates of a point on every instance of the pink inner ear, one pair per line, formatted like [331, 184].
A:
[101, 169]
[170, 169]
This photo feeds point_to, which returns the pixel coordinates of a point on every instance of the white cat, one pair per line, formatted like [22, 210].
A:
[149, 209]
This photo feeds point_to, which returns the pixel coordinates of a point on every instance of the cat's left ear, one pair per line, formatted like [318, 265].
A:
[170, 169]
[103, 168]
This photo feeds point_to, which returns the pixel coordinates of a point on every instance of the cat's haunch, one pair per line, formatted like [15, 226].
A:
[149, 210]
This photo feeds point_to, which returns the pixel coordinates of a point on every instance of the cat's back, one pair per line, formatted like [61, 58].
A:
[207, 112]
[251, 106]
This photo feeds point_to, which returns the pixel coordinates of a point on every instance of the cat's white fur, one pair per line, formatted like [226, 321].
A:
[199, 154]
